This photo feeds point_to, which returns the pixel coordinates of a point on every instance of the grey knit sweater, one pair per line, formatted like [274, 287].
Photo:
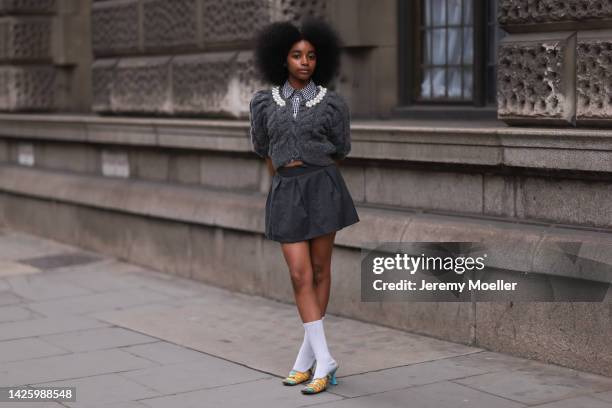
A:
[319, 135]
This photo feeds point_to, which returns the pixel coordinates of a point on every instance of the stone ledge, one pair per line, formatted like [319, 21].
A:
[461, 142]
[244, 211]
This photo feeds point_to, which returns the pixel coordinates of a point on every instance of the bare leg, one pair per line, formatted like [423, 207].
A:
[297, 256]
[320, 255]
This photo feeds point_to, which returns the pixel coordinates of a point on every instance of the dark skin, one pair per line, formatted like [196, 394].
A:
[309, 261]
[301, 63]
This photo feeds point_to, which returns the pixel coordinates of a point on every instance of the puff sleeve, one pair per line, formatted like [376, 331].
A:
[258, 132]
[338, 122]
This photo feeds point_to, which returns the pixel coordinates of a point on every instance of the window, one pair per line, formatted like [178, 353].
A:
[448, 52]
[446, 34]
[494, 34]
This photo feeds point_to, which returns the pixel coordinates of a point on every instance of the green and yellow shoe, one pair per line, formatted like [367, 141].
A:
[297, 377]
[320, 384]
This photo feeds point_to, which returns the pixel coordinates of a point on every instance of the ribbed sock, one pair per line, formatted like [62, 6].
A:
[305, 357]
[316, 337]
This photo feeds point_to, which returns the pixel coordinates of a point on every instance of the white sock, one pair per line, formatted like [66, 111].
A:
[305, 357]
[316, 336]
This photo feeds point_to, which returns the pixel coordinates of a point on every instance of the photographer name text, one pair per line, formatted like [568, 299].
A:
[406, 284]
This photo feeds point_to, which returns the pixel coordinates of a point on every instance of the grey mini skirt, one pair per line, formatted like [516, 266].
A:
[307, 201]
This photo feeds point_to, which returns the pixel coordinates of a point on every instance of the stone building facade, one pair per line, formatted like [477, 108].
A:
[556, 65]
[45, 63]
[123, 129]
[553, 67]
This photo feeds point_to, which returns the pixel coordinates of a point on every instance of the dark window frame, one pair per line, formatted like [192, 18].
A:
[409, 12]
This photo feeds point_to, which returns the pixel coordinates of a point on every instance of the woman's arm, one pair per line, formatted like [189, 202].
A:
[257, 117]
[339, 126]
[271, 170]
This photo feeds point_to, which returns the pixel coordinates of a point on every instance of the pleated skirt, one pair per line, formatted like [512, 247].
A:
[307, 201]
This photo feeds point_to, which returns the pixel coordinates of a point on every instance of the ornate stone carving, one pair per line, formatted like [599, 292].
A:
[594, 76]
[170, 24]
[27, 88]
[201, 82]
[114, 27]
[295, 10]
[142, 85]
[238, 20]
[103, 71]
[535, 78]
[212, 82]
[233, 20]
[27, 6]
[25, 38]
[542, 11]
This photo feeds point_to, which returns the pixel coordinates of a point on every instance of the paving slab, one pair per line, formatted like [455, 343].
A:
[374, 382]
[97, 339]
[146, 308]
[97, 302]
[443, 394]
[538, 383]
[104, 389]
[10, 268]
[45, 404]
[7, 297]
[165, 353]
[75, 365]
[578, 402]
[39, 288]
[131, 337]
[268, 337]
[606, 396]
[4, 286]
[129, 404]
[47, 325]
[100, 276]
[28, 348]
[15, 245]
[265, 392]
[111, 274]
[15, 313]
[206, 372]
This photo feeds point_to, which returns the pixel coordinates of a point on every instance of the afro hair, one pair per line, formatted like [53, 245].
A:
[274, 41]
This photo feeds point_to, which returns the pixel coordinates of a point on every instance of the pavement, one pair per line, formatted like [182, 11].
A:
[127, 336]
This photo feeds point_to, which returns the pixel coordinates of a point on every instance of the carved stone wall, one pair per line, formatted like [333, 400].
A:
[27, 77]
[102, 78]
[115, 28]
[142, 82]
[44, 55]
[25, 38]
[515, 12]
[556, 65]
[31, 88]
[534, 81]
[233, 20]
[182, 57]
[27, 6]
[170, 24]
[594, 77]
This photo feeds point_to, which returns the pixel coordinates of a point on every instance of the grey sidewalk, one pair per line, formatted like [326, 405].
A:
[126, 336]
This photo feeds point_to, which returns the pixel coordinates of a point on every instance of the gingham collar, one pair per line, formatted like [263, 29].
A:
[308, 92]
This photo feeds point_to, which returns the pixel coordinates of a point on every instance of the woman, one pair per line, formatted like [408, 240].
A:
[301, 128]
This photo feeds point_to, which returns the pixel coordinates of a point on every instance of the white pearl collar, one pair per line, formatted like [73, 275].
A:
[281, 102]
[318, 98]
[276, 95]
